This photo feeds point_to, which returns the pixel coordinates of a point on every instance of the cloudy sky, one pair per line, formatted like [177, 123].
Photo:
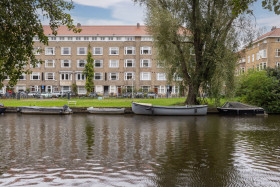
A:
[125, 12]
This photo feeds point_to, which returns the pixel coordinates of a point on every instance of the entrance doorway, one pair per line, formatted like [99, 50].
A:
[106, 90]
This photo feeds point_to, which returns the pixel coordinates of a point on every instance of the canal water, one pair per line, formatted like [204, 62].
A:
[130, 150]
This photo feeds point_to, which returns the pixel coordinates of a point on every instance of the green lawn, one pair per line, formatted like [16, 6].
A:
[107, 102]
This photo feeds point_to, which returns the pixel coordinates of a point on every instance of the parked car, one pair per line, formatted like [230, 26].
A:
[151, 94]
[46, 95]
[139, 95]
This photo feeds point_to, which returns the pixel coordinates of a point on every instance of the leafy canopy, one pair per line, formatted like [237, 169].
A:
[20, 21]
[89, 72]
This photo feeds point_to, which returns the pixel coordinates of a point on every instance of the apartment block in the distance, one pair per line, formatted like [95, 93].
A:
[124, 56]
[264, 52]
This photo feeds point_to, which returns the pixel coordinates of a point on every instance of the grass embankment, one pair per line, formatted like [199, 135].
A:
[107, 102]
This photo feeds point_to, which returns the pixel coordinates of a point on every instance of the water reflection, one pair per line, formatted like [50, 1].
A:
[139, 150]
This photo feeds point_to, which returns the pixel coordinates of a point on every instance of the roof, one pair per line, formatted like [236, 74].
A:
[273, 33]
[107, 30]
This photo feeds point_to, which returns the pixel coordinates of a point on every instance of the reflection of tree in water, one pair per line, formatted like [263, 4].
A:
[200, 155]
[89, 129]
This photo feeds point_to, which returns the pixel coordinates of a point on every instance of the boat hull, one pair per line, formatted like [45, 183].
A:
[93, 110]
[2, 109]
[229, 111]
[197, 110]
[44, 110]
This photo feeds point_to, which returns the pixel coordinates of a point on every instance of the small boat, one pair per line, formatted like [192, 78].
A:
[237, 108]
[2, 108]
[149, 109]
[94, 110]
[45, 110]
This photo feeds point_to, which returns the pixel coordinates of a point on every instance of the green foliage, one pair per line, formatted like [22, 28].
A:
[20, 21]
[260, 88]
[75, 88]
[89, 72]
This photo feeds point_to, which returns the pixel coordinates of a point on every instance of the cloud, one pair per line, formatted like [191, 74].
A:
[269, 21]
[87, 21]
[100, 3]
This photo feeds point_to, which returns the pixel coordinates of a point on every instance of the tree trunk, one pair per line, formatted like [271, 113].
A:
[192, 94]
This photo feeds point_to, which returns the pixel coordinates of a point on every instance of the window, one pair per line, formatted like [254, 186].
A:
[113, 89]
[86, 38]
[81, 63]
[52, 38]
[119, 38]
[161, 77]
[278, 64]
[49, 89]
[258, 56]
[145, 63]
[263, 53]
[97, 51]
[263, 65]
[35, 76]
[114, 63]
[70, 38]
[49, 63]
[81, 51]
[98, 63]
[49, 76]
[277, 54]
[102, 38]
[265, 41]
[113, 51]
[37, 65]
[94, 38]
[66, 51]
[129, 50]
[98, 76]
[66, 76]
[160, 64]
[128, 75]
[34, 88]
[253, 57]
[82, 90]
[78, 38]
[175, 89]
[65, 88]
[22, 77]
[145, 89]
[277, 39]
[80, 76]
[49, 51]
[248, 59]
[146, 38]
[146, 51]
[113, 76]
[111, 38]
[130, 38]
[61, 38]
[145, 76]
[65, 63]
[36, 50]
[161, 90]
[129, 63]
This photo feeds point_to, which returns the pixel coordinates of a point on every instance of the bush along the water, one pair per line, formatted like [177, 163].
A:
[261, 88]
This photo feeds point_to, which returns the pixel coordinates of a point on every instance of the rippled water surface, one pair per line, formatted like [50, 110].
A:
[129, 150]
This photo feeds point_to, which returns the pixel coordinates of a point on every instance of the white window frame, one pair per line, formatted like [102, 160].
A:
[36, 51]
[82, 90]
[277, 64]
[248, 60]
[113, 51]
[129, 50]
[100, 75]
[253, 57]
[34, 88]
[277, 52]
[146, 88]
[63, 65]
[161, 76]
[35, 74]
[113, 63]
[146, 38]
[129, 74]
[162, 89]
[115, 74]
[63, 76]
[80, 76]
[127, 62]
[79, 62]
[64, 48]
[94, 51]
[47, 78]
[130, 38]
[49, 51]
[101, 63]
[47, 61]
[144, 61]
[47, 88]
[144, 49]
[23, 77]
[145, 76]
[79, 52]
[37, 65]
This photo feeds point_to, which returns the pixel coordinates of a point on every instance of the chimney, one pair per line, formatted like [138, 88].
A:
[273, 28]
[138, 25]
[79, 25]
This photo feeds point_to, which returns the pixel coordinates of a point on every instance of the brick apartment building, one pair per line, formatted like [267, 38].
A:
[264, 52]
[124, 56]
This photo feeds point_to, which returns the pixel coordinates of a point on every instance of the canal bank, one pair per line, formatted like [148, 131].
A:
[128, 110]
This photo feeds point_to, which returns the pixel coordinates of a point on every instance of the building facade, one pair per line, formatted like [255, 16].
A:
[263, 53]
[124, 58]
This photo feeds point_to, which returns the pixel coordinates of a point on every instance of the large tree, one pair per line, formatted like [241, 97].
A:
[20, 22]
[89, 72]
[197, 40]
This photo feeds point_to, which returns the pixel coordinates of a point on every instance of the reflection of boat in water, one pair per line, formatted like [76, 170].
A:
[2, 108]
[237, 108]
[149, 109]
[94, 110]
[45, 110]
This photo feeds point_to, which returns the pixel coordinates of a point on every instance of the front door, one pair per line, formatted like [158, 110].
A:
[106, 90]
[156, 90]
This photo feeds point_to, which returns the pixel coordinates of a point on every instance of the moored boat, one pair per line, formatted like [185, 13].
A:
[149, 109]
[94, 110]
[237, 108]
[2, 108]
[45, 110]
